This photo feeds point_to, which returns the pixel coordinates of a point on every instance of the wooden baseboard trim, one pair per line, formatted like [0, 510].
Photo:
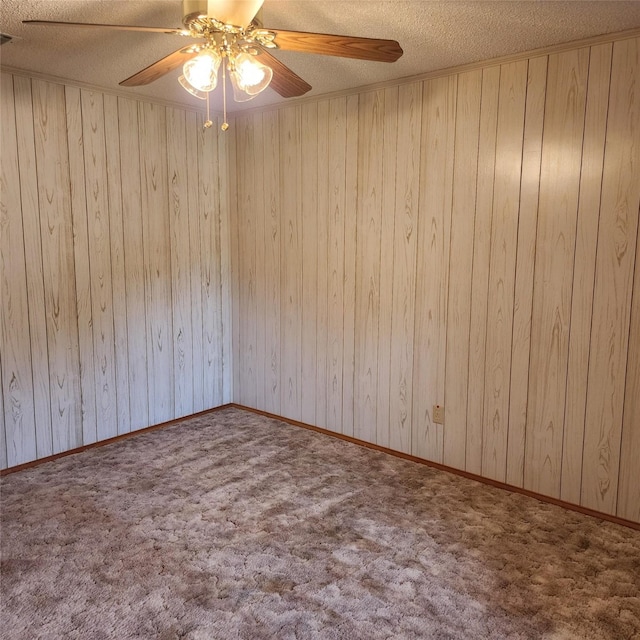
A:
[441, 467]
[101, 443]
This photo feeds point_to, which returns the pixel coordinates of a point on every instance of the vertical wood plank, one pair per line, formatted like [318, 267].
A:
[247, 263]
[262, 302]
[337, 140]
[3, 430]
[388, 189]
[134, 251]
[272, 258]
[192, 128]
[504, 228]
[34, 266]
[157, 259]
[118, 266]
[525, 260]
[56, 232]
[75, 141]
[370, 177]
[557, 214]
[19, 417]
[481, 262]
[211, 268]
[178, 195]
[99, 262]
[320, 281]
[617, 236]
[312, 305]
[465, 171]
[584, 270]
[291, 262]
[225, 143]
[434, 230]
[404, 265]
[350, 228]
[628, 505]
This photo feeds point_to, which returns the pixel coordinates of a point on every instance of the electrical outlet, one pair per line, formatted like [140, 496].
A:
[438, 414]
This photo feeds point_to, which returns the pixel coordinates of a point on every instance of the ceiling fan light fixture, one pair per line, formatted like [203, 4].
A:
[250, 74]
[192, 90]
[202, 71]
[239, 94]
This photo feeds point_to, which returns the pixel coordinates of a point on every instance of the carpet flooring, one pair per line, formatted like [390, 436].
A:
[233, 525]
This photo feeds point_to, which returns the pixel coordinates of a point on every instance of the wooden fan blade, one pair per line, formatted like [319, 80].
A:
[117, 27]
[285, 82]
[159, 68]
[342, 46]
[237, 12]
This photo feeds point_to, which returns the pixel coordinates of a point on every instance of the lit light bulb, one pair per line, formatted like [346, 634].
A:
[192, 90]
[250, 74]
[202, 71]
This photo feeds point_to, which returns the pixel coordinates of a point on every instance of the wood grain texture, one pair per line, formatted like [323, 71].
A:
[285, 82]
[319, 273]
[226, 182]
[584, 270]
[118, 266]
[387, 230]
[350, 230]
[3, 431]
[33, 263]
[291, 261]
[247, 264]
[525, 261]
[504, 228]
[89, 314]
[369, 213]
[337, 221]
[98, 232]
[463, 208]
[262, 303]
[135, 282]
[157, 260]
[159, 68]
[481, 263]
[210, 268]
[617, 236]
[178, 196]
[271, 165]
[557, 214]
[19, 416]
[56, 235]
[313, 226]
[193, 124]
[75, 141]
[434, 230]
[407, 194]
[374, 49]
[628, 503]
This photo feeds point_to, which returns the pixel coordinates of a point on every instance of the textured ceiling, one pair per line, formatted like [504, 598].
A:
[435, 34]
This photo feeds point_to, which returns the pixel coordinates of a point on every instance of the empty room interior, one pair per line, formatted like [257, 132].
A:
[320, 319]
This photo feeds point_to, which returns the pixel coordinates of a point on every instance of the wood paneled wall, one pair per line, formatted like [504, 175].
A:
[471, 241]
[114, 281]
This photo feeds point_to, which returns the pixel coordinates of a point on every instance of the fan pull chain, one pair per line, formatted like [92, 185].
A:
[225, 124]
[208, 122]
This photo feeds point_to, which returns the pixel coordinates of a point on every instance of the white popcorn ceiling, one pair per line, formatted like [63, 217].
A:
[435, 34]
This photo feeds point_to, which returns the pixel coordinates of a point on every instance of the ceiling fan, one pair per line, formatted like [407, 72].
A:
[231, 35]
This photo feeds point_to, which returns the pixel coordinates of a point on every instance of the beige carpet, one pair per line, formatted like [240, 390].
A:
[237, 526]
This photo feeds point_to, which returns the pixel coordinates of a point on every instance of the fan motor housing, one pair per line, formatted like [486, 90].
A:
[235, 12]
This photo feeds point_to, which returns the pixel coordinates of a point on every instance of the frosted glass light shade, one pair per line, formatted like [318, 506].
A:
[201, 72]
[192, 90]
[251, 76]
